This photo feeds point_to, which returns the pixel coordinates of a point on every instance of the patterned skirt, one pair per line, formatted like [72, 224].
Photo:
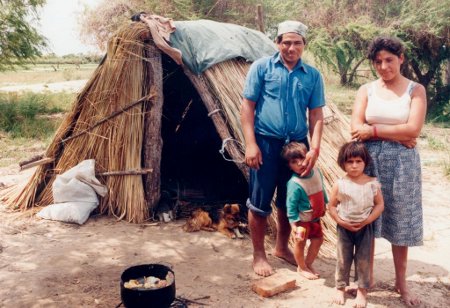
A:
[398, 170]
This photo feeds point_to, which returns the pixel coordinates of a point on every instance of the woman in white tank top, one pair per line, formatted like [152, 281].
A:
[388, 115]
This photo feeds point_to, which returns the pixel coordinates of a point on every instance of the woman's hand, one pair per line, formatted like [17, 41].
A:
[362, 132]
[411, 143]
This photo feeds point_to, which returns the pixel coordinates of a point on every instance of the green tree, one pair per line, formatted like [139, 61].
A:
[343, 48]
[423, 25]
[19, 40]
[427, 38]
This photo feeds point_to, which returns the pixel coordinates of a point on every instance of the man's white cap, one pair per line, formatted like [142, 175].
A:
[292, 26]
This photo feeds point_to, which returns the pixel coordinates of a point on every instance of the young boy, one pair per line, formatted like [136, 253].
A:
[305, 202]
[355, 202]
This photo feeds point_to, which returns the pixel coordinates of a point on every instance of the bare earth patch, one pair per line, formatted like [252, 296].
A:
[71, 86]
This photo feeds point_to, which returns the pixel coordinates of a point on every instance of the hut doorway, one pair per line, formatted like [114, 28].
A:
[192, 169]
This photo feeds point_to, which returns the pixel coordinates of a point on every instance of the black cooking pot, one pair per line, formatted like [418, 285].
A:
[133, 298]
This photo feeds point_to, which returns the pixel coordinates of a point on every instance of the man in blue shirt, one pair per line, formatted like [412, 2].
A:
[283, 100]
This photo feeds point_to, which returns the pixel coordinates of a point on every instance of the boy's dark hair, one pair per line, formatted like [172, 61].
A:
[353, 149]
[390, 44]
[294, 150]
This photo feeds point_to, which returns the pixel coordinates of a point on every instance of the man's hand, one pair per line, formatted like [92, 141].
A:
[253, 157]
[309, 161]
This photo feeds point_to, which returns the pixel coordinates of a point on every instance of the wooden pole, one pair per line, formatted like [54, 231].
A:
[114, 114]
[30, 160]
[126, 172]
[43, 161]
[260, 18]
[152, 146]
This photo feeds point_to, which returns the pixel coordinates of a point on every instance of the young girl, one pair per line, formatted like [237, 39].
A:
[305, 204]
[355, 202]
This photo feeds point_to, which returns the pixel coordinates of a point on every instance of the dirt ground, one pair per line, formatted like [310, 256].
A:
[52, 264]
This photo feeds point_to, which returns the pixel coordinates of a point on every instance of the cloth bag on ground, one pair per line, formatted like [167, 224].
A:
[75, 194]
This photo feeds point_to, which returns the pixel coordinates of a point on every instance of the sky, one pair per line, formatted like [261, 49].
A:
[60, 26]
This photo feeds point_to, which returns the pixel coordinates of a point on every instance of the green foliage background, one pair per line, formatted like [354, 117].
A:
[340, 31]
[19, 40]
[32, 115]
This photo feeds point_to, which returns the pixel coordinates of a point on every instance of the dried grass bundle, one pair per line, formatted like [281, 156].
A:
[227, 79]
[116, 144]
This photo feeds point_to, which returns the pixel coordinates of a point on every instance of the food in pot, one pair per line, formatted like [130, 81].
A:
[133, 284]
[149, 282]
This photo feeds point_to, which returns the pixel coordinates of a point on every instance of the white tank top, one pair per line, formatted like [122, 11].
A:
[356, 200]
[382, 111]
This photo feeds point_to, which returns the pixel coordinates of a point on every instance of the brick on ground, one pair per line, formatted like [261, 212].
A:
[283, 280]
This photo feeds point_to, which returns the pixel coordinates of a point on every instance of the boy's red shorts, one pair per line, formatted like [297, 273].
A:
[313, 229]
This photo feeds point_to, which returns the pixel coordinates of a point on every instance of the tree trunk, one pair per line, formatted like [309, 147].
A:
[354, 70]
[343, 78]
[447, 73]
[342, 73]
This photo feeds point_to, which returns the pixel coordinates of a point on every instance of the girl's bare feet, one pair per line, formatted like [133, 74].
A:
[352, 289]
[307, 273]
[409, 298]
[339, 298]
[312, 270]
[361, 298]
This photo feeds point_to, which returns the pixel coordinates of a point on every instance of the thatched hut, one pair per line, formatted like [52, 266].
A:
[151, 123]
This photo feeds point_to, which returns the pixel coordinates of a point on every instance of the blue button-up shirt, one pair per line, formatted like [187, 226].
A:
[282, 97]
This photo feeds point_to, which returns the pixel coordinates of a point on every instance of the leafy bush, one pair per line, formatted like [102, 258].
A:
[28, 115]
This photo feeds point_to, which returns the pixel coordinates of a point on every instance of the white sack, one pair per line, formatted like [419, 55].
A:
[75, 194]
[74, 212]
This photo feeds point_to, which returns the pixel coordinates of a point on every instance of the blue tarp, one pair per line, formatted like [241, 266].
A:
[204, 43]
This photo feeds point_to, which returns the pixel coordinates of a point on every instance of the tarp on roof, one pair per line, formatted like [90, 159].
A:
[204, 43]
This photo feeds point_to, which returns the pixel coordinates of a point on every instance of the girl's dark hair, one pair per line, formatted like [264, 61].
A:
[353, 149]
[294, 150]
[390, 44]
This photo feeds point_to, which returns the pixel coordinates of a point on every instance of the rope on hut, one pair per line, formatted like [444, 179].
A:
[222, 150]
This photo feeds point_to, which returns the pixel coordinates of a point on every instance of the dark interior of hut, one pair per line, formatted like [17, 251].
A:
[192, 169]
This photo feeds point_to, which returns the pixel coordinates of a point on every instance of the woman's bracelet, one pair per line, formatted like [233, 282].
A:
[316, 150]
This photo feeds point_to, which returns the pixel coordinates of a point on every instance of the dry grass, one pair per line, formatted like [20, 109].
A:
[46, 74]
[116, 145]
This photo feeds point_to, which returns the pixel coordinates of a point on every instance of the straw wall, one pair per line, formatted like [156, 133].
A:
[116, 144]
